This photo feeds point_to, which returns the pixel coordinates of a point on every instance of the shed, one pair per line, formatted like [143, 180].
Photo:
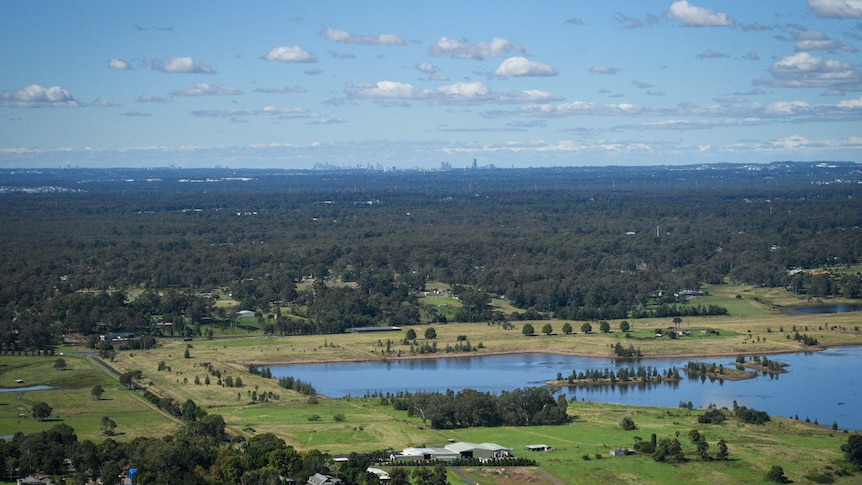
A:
[539, 447]
[321, 479]
[245, 314]
[482, 451]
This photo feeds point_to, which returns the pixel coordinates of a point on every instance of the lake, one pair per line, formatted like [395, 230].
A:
[823, 386]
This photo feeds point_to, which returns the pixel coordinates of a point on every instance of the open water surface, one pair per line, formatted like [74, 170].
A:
[825, 386]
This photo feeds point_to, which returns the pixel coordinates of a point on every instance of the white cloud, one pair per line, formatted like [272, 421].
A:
[242, 113]
[641, 84]
[823, 45]
[391, 90]
[836, 8]
[290, 53]
[628, 22]
[815, 40]
[802, 70]
[427, 67]
[105, 103]
[338, 35]
[711, 54]
[461, 49]
[205, 89]
[119, 64]
[520, 66]
[603, 70]
[35, 96]
[137, 114]
[152, 99]
[285, 90]
[694, 16]
[464, 93]
[184, 65]
[851, 103]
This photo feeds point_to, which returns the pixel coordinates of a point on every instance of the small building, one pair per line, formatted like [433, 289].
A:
[679, 332]
[540, 447]
[117, 337]
[622, 452]
[245, 314]
[321, 479]
[382, 475]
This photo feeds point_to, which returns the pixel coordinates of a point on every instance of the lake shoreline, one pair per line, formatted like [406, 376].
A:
[461, 355]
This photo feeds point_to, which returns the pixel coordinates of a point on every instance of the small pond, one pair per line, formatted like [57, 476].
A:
[823, 386]
[25, 389]
[832, 308]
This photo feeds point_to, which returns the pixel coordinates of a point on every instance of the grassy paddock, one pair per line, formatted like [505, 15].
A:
[72, 401]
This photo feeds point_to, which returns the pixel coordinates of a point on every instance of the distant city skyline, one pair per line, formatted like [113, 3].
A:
[424, 84]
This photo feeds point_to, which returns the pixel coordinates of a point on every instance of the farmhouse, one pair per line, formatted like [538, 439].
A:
[117, 337]
[678, 332]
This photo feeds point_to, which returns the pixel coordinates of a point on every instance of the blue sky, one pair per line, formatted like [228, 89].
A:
[415, 84]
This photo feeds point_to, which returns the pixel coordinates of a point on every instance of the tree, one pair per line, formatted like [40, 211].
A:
[399, 476]
[411, 334]
[722, 450]
[586, 327]
[108, 426]
[677, 321]
[60, 364]
[110, 472]
[624, 326]
[41, 411]
[547, 329]
[567, 328]
[853, 450]
[776, 475]
[627, 423]
[430, 333]
[605, 327]
[97, 391]
[528, 329]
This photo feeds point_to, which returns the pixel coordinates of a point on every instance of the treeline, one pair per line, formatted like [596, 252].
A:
[532, 406]
[195, 455]
[639, 374]
[573, 253]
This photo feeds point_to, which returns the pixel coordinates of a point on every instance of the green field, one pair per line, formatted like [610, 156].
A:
[72, 401]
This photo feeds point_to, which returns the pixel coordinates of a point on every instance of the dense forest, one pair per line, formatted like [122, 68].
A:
[88, 251]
